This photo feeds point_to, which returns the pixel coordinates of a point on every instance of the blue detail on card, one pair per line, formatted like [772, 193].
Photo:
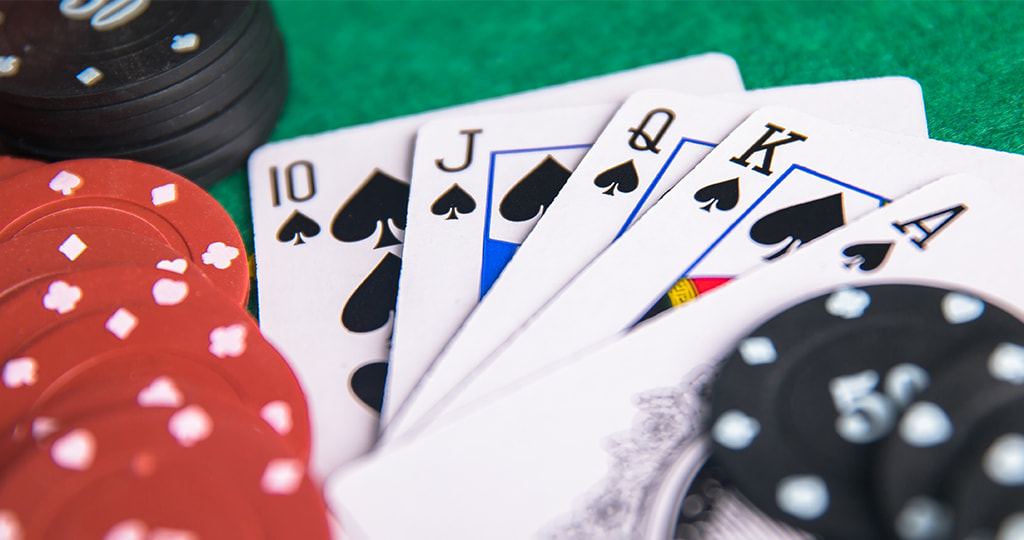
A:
[496, 255]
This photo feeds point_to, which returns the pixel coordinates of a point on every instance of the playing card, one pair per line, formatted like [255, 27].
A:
[328, 219]
[652, 141]
[615, 457]
[479, 185]
[766, 190]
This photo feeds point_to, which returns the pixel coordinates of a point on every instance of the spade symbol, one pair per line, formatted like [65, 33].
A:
[454, 200]
[799, 223]
[868, 256]
[371, 304]
[726, 193]
[295, 227]
[367, 383]
[380, 199]
[534, 191]
[622, 177]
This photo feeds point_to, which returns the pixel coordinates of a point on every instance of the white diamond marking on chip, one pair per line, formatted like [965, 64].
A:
[65, 183]
[735, 430]
[1006, 363]
[72, 247]
[757, 350]
[161, 392]
[219, 255]
[89, 76]
[959, 308]
[20, 372]
[185, 43]
[803, 496]
[75, 450]
[164, 194]
[9, 66]
[121, 323]
[61, 297]
[228, 341]
[848, 303]
[10, 527]
[278, 415]
[282, 477]
[190, 426]
[922, 518]
[178, 266]
[169, 292]
[925, 424]
[1003, 462]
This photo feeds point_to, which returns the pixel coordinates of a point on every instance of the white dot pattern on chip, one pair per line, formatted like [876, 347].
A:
[1006, 363]
[219, 255]
[122, 323]
[282, 476]
[847, 303]
[72, 247]
[61, 297]
[922, 518]
[735, 430]
[1012, 527]
[1003, 461]
[89, 76]
[228, 341]
[161, 392]
[803, 496]
[185, 43]
[43, 427]
[925, 424]
[75, 450]
[190, 426]
[178, 266]
[65, 183]
[278, 415]
[757, 350]
[169, 292]
[10, 526]
[164, 194]
[959, 308]
[129, 529]
[20, 372]
[9, 66]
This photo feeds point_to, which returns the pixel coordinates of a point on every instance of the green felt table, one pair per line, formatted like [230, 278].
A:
[357, 62]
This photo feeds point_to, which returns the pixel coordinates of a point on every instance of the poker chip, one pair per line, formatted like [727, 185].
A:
[162, 470]
[131, 196]
[802, 400]
[11, 166]
[156, 314]
[167, 83]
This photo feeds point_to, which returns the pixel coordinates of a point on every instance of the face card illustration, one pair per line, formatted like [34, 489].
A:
[309, 261]
[653, 140]
[579, 444]
[480, 184]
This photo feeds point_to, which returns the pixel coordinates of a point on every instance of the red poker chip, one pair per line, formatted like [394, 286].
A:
[202, 470]
[132, 196]
[163, 315]
[11, 166]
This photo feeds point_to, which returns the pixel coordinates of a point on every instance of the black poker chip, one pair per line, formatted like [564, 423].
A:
[189, 86]
[801, 402]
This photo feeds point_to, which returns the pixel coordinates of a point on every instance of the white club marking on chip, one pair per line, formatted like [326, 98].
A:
[75, 450]
[922, 518]
[848, 303]
[757, 350]
[178, 266]
[72, 247]
[1006, 363]
[129, 529]
[10, 526]
[61, 297]
[9, 66]
[164, 194]
[122, 323]
[282, 476]
[803, 496]
[169, 292]
[89, 76]
[43, 427]
[219, 255]
[278, 415]
[735, 430]
[20, 372]
[959, 308]
[1003, 461]
[228, 341]
[190, 426]
[924, 425]
[161, 392]
[1011, 528]
[65, 183]
[185, 43]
